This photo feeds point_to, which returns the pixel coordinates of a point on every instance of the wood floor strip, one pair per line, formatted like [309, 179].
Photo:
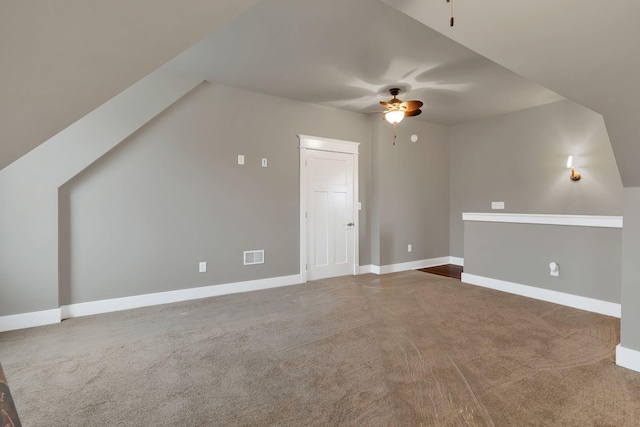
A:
[447, 270]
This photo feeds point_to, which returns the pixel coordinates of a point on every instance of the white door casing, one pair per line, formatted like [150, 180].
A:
[328, 207]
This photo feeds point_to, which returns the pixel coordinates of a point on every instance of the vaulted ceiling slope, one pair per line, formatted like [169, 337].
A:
[347, 54]
[61, 59]
[585, 50]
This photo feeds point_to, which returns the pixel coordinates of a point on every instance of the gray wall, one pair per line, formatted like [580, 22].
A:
[589, 257]
[411, 192]
[520, 159]
[29, 186]
[374, 224]
[141, 218]
[629, 331]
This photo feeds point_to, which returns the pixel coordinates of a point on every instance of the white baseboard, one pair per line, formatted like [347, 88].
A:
[29, 320]
[137, 301]
[575, 301]
[48, 317]
[364, 269]
[412, 265]
[456, 261]
[628, 358]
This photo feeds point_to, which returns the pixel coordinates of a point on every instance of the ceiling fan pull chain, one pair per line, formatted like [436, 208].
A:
[451, 19]
[394, 133]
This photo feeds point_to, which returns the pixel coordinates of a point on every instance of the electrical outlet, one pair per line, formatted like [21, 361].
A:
[409, 248]
[202, 268]
[240, 159]
[554, 268]
[497, 205]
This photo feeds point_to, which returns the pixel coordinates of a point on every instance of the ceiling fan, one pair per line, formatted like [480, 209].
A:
[397, 109]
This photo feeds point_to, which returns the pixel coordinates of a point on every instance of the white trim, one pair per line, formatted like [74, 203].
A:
[29, 320]
[137, 301]
[356, 212]
[575, 301]
[412, 265]
[456, 261]
[328, 144]
[575, 220]
[628, 358]
[303, 213]
[364, 269]
[318, 143]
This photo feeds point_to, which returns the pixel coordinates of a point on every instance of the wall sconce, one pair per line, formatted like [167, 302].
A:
[575, 176]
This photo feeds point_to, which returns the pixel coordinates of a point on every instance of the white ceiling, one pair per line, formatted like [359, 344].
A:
[60, 60]
[347, 54]
[585, 50]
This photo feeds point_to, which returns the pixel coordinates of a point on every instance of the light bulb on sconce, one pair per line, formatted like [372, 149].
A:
[575, 176]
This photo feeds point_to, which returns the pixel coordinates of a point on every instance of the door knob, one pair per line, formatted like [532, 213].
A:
[350, 224]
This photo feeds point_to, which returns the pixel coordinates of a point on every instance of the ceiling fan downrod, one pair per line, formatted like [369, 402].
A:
[451, 19]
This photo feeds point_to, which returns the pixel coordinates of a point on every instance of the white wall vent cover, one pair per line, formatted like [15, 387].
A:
[253, 257]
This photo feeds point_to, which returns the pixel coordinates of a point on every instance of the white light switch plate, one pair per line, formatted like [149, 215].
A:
[497, 205]
[202, 268]
[264, 163]
[240, 159]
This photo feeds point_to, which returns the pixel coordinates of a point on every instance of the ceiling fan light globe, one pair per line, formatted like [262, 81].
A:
[394, 117]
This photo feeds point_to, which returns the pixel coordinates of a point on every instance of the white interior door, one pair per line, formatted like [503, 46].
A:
[331, 227]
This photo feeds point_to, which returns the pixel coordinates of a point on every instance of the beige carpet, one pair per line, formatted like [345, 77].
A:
[404, 349]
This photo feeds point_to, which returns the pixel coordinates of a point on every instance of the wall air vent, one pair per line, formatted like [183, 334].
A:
[253, 257]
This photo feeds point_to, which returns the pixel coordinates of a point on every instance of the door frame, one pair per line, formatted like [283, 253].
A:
[317, 143]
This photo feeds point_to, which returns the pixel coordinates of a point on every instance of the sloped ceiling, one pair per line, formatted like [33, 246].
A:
[585, 50]
[347, 54]
[61, 59]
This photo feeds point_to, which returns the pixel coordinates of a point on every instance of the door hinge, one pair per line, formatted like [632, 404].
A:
[305, 163]
[305, 215]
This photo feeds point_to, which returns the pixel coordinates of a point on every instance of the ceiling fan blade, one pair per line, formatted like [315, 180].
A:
[412, 113]
[411, 105]
[385, 104]
[375, 112]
